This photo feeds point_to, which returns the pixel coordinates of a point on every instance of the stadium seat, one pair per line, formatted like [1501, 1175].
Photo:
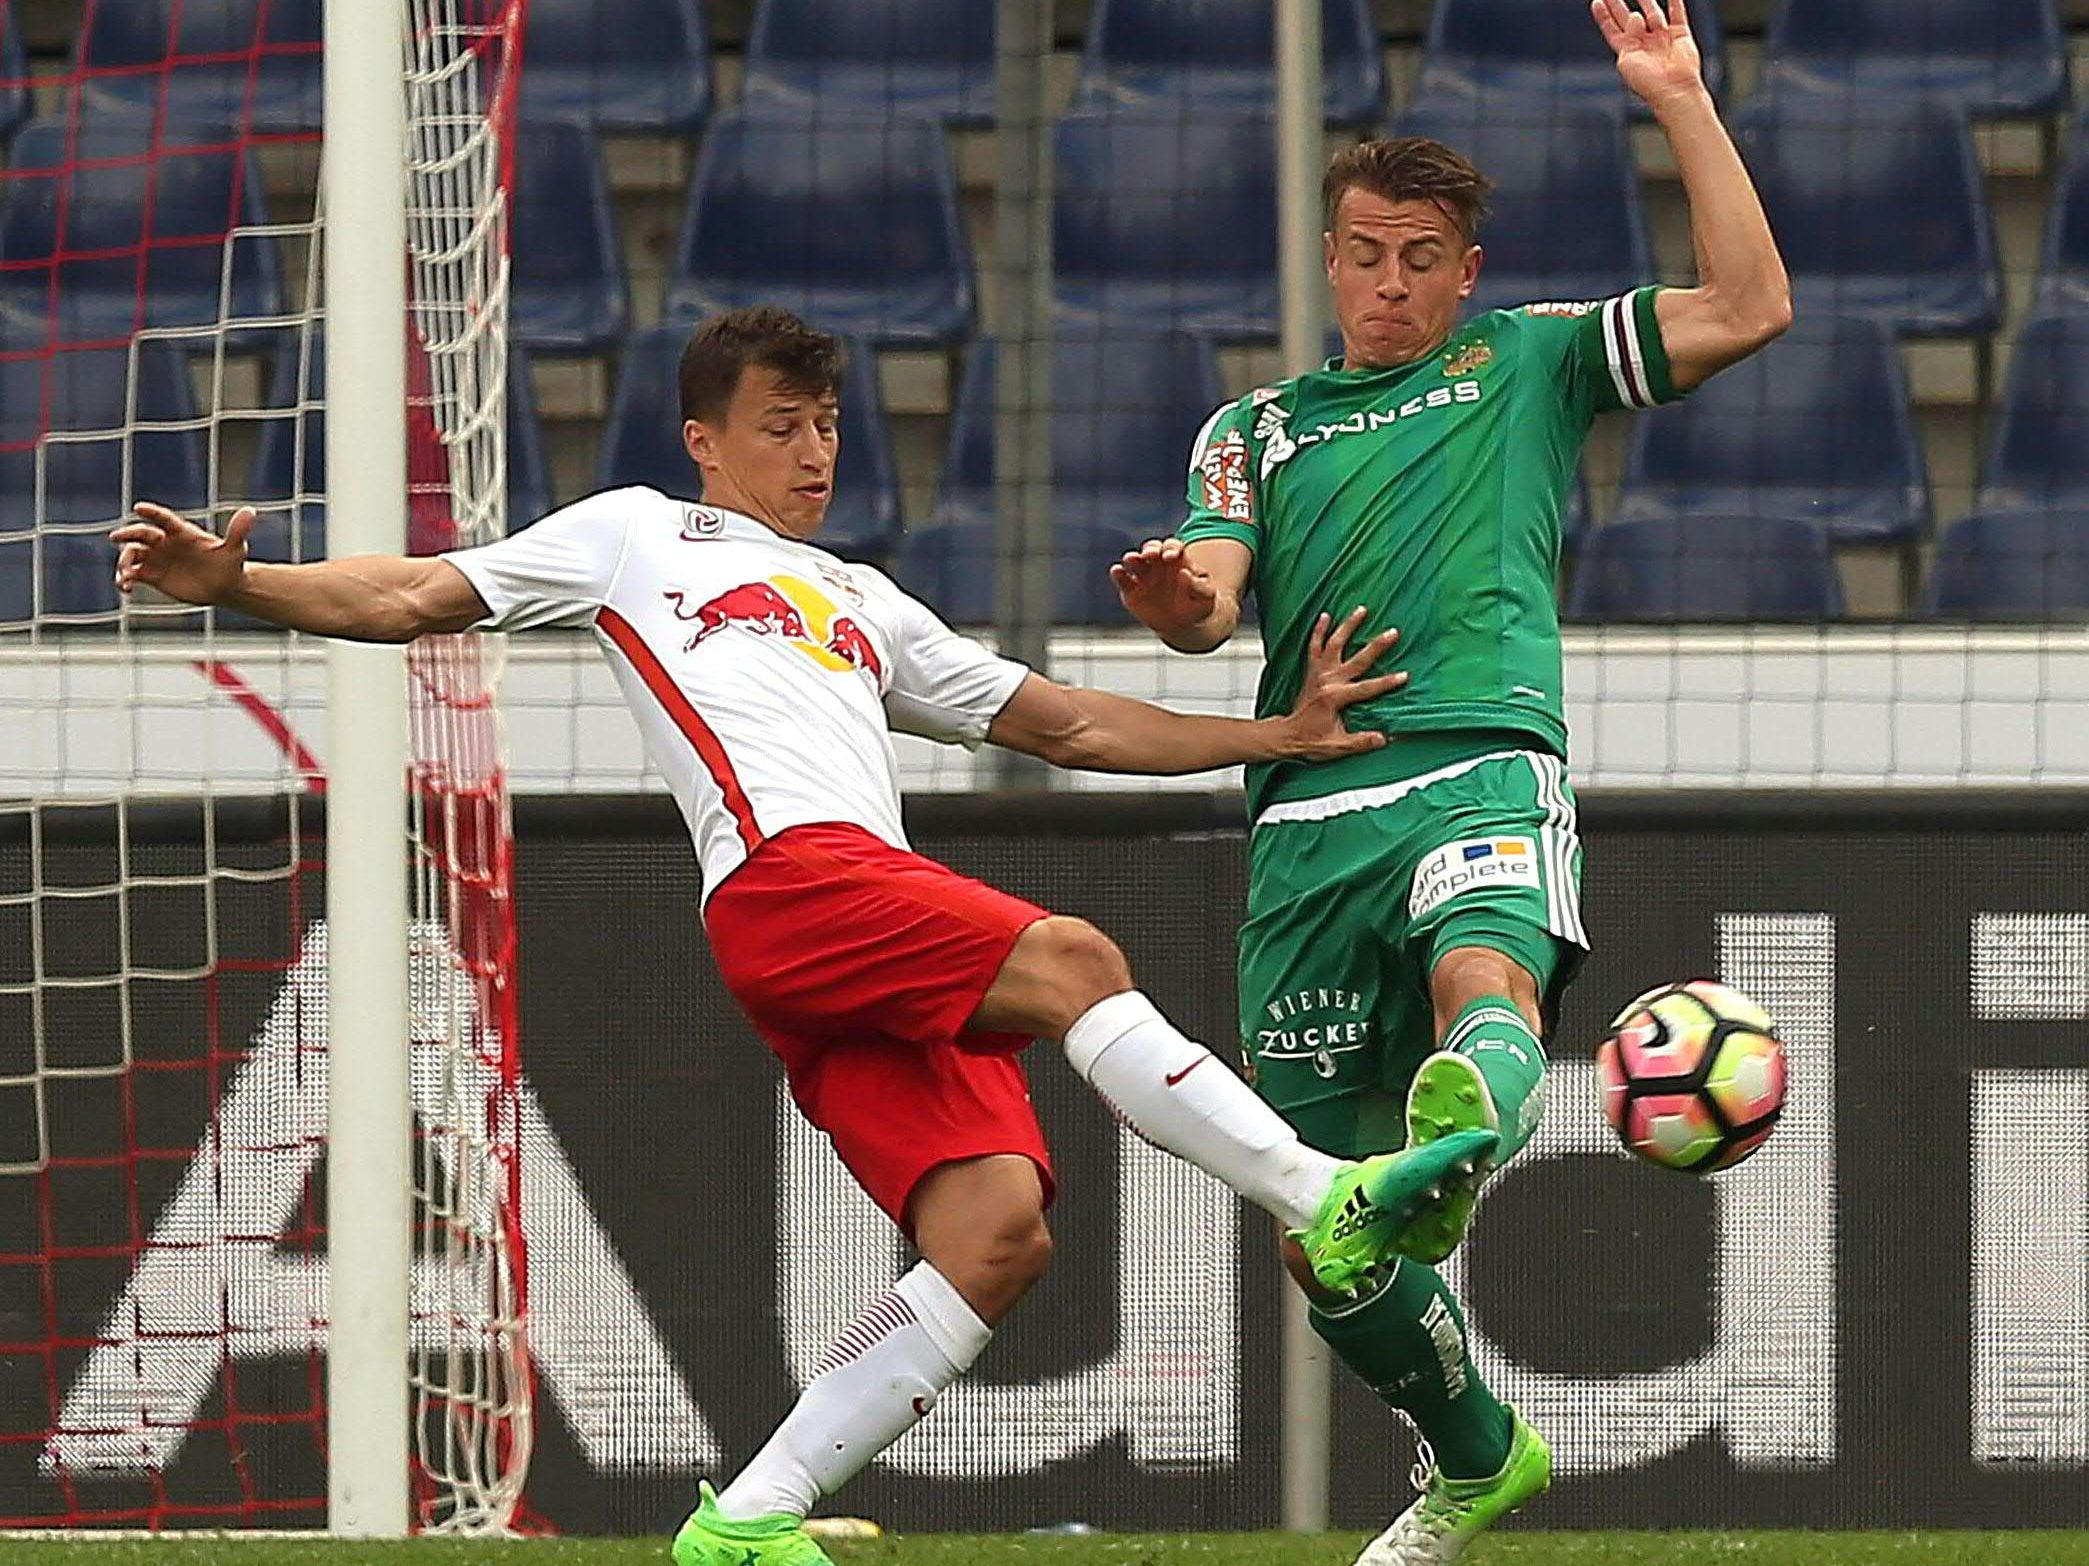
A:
[14, 76]
[1220, 57]
[1706, 568]
[1988, 57]
[2040, 452]
[1125, 410]
[1540, 51]
[1166, 222]
[1564, 218]
[276, 478]
[624, 67]
[927, 57]
[953, 567]
[2066, 280]
[1844, 182]
[84, 391]
[570, 291]
[852, 223]
[1818, 425]
[198, 59]
[77, 573]
[643, 442]
[104, 189]
[2012, 565]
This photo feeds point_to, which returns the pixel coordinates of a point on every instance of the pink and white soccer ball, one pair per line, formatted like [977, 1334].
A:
[1693, 1076]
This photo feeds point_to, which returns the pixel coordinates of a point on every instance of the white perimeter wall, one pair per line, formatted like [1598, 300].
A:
[1751, 708]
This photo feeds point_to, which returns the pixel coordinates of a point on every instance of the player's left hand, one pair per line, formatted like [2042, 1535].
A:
[1337, 680]
[1657, 56]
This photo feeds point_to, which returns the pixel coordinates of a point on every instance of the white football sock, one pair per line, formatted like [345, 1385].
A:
[1175, 1093]
[874, 1384]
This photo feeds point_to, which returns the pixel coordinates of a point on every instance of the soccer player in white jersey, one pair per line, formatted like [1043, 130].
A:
[767, 676]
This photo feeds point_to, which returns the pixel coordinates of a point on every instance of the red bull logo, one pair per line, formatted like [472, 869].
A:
[788, 608]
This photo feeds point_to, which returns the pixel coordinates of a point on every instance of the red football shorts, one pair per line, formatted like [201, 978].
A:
[859, 964]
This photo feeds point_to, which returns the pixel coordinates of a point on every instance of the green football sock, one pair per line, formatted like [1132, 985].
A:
[1408, 1342]
[1491, 1033]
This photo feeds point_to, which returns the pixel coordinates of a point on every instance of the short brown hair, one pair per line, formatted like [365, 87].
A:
[1410, 168]
[806, 360]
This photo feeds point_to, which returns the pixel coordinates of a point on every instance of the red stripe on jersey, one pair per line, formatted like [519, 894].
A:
[687, 719]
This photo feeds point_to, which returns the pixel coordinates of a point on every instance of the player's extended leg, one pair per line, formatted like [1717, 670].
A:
[1065, 980]
[979, 1225]
[1406, 1340]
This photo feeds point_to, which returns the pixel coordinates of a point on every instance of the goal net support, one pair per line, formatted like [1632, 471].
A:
[198, 954]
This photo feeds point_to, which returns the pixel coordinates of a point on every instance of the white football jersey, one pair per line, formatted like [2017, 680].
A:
[766, 675]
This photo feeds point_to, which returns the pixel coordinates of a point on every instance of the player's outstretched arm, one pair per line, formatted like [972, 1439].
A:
[1186, 594]
[1071, 726]
[1743, 298]
[365, 598]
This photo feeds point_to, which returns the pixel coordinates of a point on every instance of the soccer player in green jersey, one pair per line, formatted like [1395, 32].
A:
[1413, 913]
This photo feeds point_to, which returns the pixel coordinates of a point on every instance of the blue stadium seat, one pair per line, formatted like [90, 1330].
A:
[1988, 57]
[852, 223]
[1541, 50]
[1706, 568]
[927, 57]
[2066, 280]
[142, 54]
[277, 477]
[1125, 410]
[105, 185]
[14, 76]
[622, 66]
[953, 568]
[87, 390]
[77, 572]
[1846, 181]
[2040, 452]
[1565, 220]
[1166, 222]
[570, 291]
[643, 442]
[2012, 565]
[1219, 56]
[1818, 425]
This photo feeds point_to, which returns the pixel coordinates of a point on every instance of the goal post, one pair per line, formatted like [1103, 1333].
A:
[262, 1261]
[364, 192]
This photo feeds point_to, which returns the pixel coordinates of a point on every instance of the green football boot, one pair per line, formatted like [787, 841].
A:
[1453, 1512]
[1448, 1095]
[708, 1539]
[1355, 1235]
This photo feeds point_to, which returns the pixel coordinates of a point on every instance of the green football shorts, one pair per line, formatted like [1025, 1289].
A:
[1351, 899]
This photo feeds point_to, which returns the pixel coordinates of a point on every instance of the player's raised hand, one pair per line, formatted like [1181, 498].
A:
[1162, 589]
[182, 560]
[1336, 680]
[1657, 56]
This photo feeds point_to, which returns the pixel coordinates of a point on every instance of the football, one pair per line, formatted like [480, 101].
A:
[1693, 1076]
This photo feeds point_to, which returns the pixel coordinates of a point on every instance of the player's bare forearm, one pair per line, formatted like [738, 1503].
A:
[1743, 298]
[1097, 731]
[364, 598]
[1208, 634]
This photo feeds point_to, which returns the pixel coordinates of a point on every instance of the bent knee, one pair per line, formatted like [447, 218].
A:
[1002, 1261]
[1081, 956]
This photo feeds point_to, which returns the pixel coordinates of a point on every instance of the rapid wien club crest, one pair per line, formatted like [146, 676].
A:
[1467, 358]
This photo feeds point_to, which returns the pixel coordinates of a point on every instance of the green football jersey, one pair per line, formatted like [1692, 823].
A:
[1432, 494]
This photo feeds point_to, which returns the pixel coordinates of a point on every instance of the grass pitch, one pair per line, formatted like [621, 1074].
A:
[1529, 1549]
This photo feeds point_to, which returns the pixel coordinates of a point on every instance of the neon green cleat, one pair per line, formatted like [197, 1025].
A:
[1452, 1512]
[1354, 1236]
[708, 1539]
[1448, 1095]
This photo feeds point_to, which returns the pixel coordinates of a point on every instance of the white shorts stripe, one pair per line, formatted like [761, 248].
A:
[1558, 840]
